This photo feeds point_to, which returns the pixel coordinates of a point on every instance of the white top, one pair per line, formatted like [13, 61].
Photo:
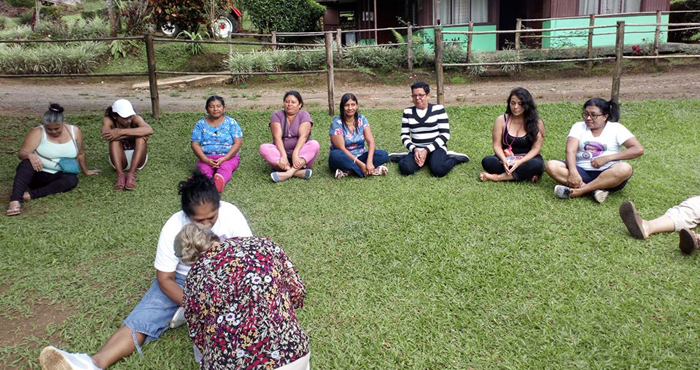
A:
[608, 142]
[229, 224]
[52, 152]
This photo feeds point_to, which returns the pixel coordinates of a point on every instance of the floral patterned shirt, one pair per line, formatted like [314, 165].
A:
[354, 140]
[240, 298]
[216, 140]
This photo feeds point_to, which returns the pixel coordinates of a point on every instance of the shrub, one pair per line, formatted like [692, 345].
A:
[476, 57]
[21, 3]
[384, 58]
[90, 14]
[54, 29]
[50, 58]
[681, 5]
[19, 32]
[509, 55]
[136, 15]
[284, 16]
[96, 27]
[193, 48]
[275, 61]
[26, 17]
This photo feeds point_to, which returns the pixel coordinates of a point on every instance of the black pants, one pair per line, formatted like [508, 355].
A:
[438, 162]
[42, 183]
[526, 171]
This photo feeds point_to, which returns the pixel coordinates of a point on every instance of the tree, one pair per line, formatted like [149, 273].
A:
[284, 16]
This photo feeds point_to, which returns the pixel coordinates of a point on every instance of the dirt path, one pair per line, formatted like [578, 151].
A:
[26, 97]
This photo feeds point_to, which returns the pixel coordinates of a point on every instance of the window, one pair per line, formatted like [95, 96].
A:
[463, 11]
[586, 7]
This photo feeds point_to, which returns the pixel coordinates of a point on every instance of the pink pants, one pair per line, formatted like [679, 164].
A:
[225, 169]
[308, 151]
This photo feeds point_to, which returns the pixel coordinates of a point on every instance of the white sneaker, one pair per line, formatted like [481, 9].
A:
[459, 157]
[600, 195]
[380, 171]
[178, 318]
[52, 358]
[562, 191]
[340, 174]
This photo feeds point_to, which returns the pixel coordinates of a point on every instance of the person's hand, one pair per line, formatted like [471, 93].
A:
[599, 162]
[419, 156]
[511, 169]
[35, 161]
[212, 163]
[111, 135]
[574, 180]
[92, 172]
[283, 163]
[369, 168]
[298, 162]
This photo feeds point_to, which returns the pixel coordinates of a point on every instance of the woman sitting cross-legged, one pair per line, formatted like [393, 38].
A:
[349, 132]
[292, 152]
[44, 155]
[517, 139]
[593, 154]
[240, 300]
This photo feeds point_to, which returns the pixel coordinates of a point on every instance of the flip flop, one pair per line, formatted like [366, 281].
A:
[688, 242]
[630, 217]
[14, 211]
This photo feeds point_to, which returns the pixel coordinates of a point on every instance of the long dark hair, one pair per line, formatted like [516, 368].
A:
[296, 95]
[532, 118]
[611, 108]
[344, 100]
[198, 190]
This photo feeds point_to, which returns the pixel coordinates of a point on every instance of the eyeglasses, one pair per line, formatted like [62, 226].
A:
[419, 96]
[591, 115]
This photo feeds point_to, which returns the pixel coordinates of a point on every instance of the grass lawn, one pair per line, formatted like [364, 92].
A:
[401, 272]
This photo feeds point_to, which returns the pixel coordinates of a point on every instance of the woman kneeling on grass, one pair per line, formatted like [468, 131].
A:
[349, 132]
[238, 287]
[517, 139]
[127, 134]
[292, 152]
[593, 150]
[201, 204]
[40, 172]
[216, 141]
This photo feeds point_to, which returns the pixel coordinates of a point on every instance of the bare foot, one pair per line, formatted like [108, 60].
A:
[26, 196]
[485, 176]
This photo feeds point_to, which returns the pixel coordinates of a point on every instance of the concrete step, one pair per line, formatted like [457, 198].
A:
[184, 80]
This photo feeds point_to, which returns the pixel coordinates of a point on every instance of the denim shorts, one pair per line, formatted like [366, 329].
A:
[153, 314]
[588, 176]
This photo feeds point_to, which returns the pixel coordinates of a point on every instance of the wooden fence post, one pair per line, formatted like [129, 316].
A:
[657, 36]
[438, 66]
[152, 79]
[339, 41]
[589, 53]
[619, 53]
[470, 38]
[329, 72]
[37, 12]
[518, 27]
[273, 40]
[409, 39]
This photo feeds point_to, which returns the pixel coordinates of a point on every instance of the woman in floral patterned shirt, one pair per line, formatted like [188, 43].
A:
[348, 133]
[240, 301]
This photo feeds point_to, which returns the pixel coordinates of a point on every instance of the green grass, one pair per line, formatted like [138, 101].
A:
[401, 272]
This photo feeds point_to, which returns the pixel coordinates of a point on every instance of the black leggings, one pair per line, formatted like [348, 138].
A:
[438, 162]
[526, 171]
[42, 183]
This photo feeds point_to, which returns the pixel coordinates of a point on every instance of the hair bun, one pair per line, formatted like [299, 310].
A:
[55, 107]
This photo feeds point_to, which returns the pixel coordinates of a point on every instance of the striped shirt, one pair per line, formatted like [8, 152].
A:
[430, 131]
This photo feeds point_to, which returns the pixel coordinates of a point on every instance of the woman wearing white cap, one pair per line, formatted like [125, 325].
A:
[127, 134]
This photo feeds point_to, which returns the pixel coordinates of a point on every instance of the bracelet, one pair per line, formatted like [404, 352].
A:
[354, 160]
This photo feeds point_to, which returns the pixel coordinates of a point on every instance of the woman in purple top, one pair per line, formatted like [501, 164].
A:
[292, 152]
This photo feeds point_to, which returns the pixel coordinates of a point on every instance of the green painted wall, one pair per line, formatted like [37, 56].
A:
[602, 40]
[485, 42]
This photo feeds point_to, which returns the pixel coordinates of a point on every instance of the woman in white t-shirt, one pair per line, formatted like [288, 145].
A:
[593, 147]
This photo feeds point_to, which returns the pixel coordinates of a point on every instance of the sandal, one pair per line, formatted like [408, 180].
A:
[14, 210]
[630, 217]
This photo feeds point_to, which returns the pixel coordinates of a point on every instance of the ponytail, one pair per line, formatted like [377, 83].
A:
[610, 108]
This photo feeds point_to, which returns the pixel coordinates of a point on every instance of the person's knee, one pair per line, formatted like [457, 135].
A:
[336, 155]
[70, 181]
[552, 166]
[314, 145]
[140, 142]
[623, 170]
[406, 168]
[439, 171]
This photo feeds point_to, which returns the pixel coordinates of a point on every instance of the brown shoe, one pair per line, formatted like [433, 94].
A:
[130, 182]
[121, 181]
[688, 242]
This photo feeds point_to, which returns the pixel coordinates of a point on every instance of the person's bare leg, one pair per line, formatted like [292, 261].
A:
[139, 155]
[116, 154]
[485, 176]
[610, 178]
[286, 175]
[557, 171]
[662, 224]
[118, 346]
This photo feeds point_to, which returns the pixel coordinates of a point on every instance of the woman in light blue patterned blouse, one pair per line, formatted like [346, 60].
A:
[216, 140]
[348, 133]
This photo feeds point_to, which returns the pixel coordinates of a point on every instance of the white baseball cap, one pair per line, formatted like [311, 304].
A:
[123, 108]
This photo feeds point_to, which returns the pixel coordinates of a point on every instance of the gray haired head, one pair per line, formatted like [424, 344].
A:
[54, 114]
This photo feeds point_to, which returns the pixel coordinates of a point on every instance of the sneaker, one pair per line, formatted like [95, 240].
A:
[340, 174]
[219, 183]
[395, 157]
[307, 173]
[458, 157]
[121, 181]
[130, 182]
[562, 191]
[52, 358]
[380, 171]
[178, 318]
[688, 242]
[633, 222]
[600, 195]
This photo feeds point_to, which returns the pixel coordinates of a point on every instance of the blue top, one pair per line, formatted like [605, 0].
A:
[216, 140]
[354, 140]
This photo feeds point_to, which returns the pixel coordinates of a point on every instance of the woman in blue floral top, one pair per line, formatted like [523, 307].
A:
[240, 301]
[216, 140]
[349, 132]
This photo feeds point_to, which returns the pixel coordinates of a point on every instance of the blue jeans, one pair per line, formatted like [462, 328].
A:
[438, 162]
[338, 160]
[153, 314]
